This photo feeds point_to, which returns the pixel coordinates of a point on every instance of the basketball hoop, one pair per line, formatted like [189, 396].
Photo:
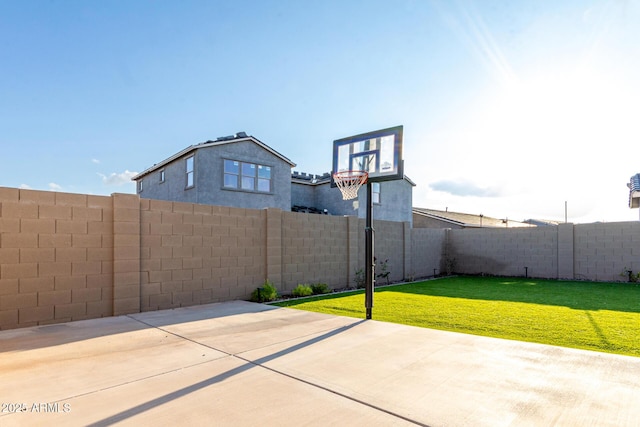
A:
[349, 182]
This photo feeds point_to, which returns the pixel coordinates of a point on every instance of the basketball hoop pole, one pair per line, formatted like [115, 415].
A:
[369, 257]
[357, 160]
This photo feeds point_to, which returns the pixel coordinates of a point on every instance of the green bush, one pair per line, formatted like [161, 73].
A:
[360, 279]
[267, 292]
[320, 288]
[384, 270]
[302, 291]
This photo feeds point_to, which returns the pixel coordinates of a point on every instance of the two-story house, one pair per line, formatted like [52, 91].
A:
[392, 200]
[242, 171]
[237, 170]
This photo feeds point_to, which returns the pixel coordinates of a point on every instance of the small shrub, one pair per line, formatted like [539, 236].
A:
[302, 291]
[267, 292]
[320, 288]
[360, 279]
[384, 270]
[633, 278]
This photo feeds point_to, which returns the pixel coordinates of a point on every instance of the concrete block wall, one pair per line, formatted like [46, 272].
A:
[356, 253]
[315, 249]
[330, 249]
[388, 245]
[196, 254]
[598, 251]
[506, 252]
[603, 251]
[56, 257]
[426, 252]
[566, 255]
[66, 257]
[126, 254]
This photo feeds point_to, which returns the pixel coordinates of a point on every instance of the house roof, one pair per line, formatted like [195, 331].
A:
[309, 178]
[469, 220]
[543, 222]
[231, 139]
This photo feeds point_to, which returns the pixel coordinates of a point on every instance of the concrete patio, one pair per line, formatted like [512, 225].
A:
[246, 364]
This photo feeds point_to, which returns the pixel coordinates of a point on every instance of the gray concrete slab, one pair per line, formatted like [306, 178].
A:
[250, 364]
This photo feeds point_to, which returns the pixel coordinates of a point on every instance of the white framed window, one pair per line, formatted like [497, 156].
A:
[231, 173]
[161, 176]
[247, 176]
[140, 185]
[248, 173]
[375, 192]
[190, 171]
[264, 178]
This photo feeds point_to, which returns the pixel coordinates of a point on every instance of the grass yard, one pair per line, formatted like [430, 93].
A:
[594, 316]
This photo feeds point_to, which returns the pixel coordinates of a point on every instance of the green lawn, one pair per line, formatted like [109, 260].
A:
[593, 316]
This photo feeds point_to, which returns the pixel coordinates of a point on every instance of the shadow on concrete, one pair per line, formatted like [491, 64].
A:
[32, 338]
[121, 416]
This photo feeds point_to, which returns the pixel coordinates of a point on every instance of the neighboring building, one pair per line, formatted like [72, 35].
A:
[431, 218]
[237, 171]
[543, 222]
[305, 193]
[634, 191]
[392, 200]
[242, 171]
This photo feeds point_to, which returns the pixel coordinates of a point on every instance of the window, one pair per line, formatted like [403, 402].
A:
[264, 178]
[247, 176]
[162, 176]
[375, 192]
[140, 186]
[190, 170]
[231, 173]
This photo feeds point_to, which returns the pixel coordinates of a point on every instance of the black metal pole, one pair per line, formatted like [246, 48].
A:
[369, 259]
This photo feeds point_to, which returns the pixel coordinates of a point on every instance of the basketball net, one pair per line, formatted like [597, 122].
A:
[349, 182]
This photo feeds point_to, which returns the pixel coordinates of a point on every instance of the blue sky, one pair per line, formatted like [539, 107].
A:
[510, 108]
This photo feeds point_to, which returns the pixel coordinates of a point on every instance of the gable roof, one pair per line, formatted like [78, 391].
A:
[238, 137]
[469, 220]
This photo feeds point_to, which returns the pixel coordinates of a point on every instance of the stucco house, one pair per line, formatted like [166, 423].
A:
[392, 200]
[236, 170]
[242, 171]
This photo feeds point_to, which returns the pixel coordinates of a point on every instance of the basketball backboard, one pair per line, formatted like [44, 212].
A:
[379, 153]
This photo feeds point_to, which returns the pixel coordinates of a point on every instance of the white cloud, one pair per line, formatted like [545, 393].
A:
[117, 179]
[25, 186]
[54, 187]
[464, 188]
[96, 161]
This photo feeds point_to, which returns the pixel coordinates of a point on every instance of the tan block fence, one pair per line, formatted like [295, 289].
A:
[56, 257]
[66, 257]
